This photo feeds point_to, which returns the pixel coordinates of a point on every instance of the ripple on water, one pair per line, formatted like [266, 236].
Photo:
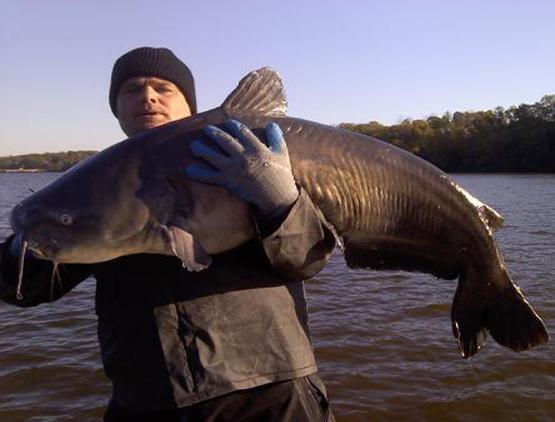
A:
[383, 339]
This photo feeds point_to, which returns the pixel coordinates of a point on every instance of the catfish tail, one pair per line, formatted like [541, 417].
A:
[468, 316]
[512, 322]
[497, 307]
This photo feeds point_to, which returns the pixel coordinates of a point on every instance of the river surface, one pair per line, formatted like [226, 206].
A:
[383, 339]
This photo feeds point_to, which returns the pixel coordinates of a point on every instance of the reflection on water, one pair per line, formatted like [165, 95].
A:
[383, 340]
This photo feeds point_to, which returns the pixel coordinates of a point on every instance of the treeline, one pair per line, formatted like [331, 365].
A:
[50, 161]
[519, 139]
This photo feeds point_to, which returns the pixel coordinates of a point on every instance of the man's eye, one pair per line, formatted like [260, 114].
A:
[164, 89]
[130, 89]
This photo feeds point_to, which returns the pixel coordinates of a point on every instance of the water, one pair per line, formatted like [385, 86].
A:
[383, 340]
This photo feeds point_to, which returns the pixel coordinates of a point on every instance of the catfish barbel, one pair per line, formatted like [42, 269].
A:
[390, 210]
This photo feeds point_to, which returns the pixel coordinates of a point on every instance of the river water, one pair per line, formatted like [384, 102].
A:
[383, 339]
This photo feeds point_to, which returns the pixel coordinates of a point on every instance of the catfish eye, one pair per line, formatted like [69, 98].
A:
[66, 219]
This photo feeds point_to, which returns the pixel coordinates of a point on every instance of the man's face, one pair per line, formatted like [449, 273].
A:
[145, 102]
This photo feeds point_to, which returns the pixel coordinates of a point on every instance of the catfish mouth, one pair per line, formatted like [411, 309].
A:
[26, 247]
[47, 251]
[76, 249]
[42, 252]
[34, 247]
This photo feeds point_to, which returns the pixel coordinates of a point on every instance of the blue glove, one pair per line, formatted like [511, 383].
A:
[240, 162]
[15, 246]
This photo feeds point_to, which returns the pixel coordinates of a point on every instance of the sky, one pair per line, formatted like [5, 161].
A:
[341, 61]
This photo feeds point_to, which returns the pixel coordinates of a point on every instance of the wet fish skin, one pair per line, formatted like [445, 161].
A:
[391, 210]
[396, 211]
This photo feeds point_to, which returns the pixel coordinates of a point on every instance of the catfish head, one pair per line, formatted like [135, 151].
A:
[77, 220]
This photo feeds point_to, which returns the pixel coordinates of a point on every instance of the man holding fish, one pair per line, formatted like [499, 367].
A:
[230, 342]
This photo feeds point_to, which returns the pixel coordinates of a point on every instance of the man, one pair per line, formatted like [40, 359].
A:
[227, 343]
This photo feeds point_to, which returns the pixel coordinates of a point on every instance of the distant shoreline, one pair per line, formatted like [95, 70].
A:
[42, 163]
[23, 170]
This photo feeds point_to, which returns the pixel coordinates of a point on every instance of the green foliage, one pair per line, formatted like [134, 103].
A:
[50, 161]
[519, 139]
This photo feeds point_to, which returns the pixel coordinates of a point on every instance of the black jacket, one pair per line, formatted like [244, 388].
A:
[170, 338]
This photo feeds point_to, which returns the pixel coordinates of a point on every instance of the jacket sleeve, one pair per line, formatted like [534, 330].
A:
[40, 283]
[302, 244]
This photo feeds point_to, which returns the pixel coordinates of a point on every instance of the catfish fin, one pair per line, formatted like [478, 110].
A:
[184, 246]
[260, 92]
[512, 322]
[396, 255]
[468, 313]
[492, 218]
[504, 313]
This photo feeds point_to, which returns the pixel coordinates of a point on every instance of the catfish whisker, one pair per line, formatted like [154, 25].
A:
[55, 276]
[22, 253]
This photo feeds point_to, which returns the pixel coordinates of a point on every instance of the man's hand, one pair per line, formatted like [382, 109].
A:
[239, 161]
[15, 246]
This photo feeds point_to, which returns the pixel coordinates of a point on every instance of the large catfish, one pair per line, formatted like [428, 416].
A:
[390, 209]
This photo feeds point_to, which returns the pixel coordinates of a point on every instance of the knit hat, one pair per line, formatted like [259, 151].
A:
[157, 62]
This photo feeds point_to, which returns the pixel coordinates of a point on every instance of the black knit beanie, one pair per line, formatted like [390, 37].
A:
[157, 62]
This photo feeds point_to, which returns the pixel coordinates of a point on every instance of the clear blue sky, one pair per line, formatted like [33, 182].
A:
[341, 61]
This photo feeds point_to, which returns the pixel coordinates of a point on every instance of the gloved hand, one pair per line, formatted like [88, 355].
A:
[14, 248]
[257, 172]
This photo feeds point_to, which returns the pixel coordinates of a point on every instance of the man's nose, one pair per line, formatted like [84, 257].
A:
[149, 94]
